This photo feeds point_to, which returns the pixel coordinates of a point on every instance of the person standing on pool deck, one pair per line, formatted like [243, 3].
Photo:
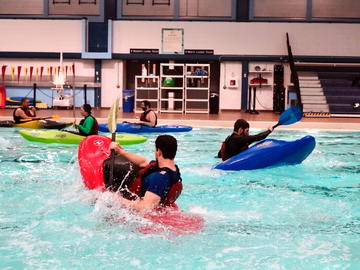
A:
[88, 125]
[25, 112]
[240, 139]
[160, 180]
[148, 117]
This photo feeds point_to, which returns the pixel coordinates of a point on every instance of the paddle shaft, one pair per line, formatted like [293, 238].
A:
[37, 118]
[112, 159]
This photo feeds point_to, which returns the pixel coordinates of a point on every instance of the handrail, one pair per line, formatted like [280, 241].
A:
[294, 74]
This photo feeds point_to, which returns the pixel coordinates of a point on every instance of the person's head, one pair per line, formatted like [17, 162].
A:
[241, 126]
[85, 110]
[145, 105]
[25, 102]
[165, 147]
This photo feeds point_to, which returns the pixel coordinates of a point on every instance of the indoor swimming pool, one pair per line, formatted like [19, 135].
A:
[305, 216]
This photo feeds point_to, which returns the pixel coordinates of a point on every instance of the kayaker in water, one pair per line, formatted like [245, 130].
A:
[240, 139]
[25, 112]
[158, 183]
[88, 125]
[148, 117]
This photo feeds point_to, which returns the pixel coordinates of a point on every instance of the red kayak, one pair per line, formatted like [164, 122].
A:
[93, 150]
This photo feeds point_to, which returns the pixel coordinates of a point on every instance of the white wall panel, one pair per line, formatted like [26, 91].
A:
[41, 35]
[230, 98]
[112, 76]
[317, 39]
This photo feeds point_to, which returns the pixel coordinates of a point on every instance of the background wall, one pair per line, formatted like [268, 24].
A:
[230, 98]
[41, 35]
[316, 39]
[113, 82]
[84, 70]
[28, 7]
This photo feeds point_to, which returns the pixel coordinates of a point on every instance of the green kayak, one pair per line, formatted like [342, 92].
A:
[57, 136]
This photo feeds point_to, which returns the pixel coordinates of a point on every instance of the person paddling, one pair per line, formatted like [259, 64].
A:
[148, 117]
[25, 112]
[88, 125]
[240, 139]
[141, 184]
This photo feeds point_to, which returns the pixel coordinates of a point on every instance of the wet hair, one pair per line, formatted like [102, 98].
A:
[241, 123]
[168, 146]
[87, 108]
[24, 99]
[146, 103]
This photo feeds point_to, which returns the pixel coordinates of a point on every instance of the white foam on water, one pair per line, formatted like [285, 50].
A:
[213, 214]
[4, 143]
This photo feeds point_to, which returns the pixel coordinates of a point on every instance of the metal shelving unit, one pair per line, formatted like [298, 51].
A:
[171, 94]
[147, 88]
[197, 88]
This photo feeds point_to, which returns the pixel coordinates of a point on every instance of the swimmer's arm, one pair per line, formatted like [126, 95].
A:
[148, 202]
[138, 160]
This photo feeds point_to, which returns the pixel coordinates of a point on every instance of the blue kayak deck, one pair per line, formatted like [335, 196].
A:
[269, 153]
[136, 128]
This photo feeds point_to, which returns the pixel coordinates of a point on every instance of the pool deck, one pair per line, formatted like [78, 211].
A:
[224, 119]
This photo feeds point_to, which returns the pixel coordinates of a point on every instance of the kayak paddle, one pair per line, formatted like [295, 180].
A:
[112, 121]
[56, 117]
[290, 116]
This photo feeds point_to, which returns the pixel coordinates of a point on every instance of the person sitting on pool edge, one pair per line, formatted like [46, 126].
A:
[240, 139]
[158, 183]
[25, 112]
[88, 125]
[148, 117]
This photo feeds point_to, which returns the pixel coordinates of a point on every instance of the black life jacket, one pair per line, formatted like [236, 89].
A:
[224, 154]
[144, 114]
[17, 119]
[176, 183]
[95, 128]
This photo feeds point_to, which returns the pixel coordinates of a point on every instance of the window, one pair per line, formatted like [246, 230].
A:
[160, 2]
[290, 9]
[61, 2]
[336, 9]
[205, 8]
[87, 2]
[135, 2]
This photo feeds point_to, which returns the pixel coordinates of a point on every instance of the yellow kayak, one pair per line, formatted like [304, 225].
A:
[36, 124]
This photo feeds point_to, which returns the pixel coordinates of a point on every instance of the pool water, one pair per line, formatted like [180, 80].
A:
[293, 217]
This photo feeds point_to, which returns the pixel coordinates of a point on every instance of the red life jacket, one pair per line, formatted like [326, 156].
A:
[144, 114]
[174, 191]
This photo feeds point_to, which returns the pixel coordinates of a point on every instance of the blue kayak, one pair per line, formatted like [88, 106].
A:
[270, 153]
[135, 128]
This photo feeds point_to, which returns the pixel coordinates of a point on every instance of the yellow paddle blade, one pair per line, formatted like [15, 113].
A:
[25, 120]
[113, 115]
[56, 117]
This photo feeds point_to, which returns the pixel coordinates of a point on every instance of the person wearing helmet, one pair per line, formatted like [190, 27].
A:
[240, 139]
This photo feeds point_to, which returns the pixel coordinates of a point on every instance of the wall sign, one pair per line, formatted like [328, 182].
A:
[172, 40]
[199, 51]
[146, 51]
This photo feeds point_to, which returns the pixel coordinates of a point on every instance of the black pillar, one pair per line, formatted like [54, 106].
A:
[97, 94]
